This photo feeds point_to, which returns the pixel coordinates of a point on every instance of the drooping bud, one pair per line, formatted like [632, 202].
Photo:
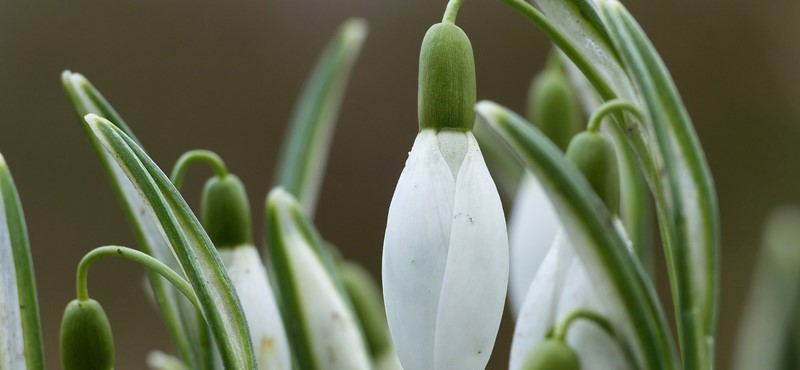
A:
[552, 354]
[553, 106]
[225, 212]
[86, 340]
[447, 92]
[596, 158]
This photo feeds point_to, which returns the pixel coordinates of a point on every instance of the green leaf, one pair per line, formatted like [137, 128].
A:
[87, 99]
[770, 316]
[194, 250]
[20, 330]
[688, 204]
[182, 319]
[590, 226]
[505, 169]
[319, 319]
[301, 167]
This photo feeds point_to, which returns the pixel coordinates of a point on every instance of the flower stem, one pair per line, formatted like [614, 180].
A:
[612, 106]
[192, 156]
[560, 332]
[452, 11]
[136, 256]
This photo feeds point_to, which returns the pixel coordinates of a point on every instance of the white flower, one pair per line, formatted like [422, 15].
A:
[445, 256]
[264, 321]
[531, 229]
[561, 286]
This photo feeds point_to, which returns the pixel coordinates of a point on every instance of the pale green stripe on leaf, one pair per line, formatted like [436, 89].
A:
[198, 257]
[20, 330]
[616, 272]
[182, 319]
[301, 167]
[690, 203]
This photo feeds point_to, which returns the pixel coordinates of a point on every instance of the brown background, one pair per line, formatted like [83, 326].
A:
[224, 76]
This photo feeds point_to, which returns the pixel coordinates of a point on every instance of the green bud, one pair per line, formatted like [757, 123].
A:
[447, 92]
[86, 340]
[368, 304]
[225, 212]
[552, 355]
[596, 158]
[553, 107]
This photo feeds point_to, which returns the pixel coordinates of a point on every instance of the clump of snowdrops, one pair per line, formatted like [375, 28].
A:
[605, 143]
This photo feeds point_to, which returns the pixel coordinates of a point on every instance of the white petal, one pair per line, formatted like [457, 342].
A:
[539, 313]
[531, 230]
[415, 251]
[335, 336]
[596, 349]
[258, 301]
[562, 286]
[476, 275]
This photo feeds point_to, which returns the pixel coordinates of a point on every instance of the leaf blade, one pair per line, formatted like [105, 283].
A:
[179, 314]
[195, 252]
[301, 165]
[690, 203]
[14, 241]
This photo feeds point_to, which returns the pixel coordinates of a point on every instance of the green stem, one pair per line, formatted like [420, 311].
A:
[612, 106]
[136, 256]
[452, 11]
[560, 332]
[192, 156]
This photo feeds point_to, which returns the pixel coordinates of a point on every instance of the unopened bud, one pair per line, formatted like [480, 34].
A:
[225, 212]
[86, 340]
[596, 158]
[447, 92]
[552, 355]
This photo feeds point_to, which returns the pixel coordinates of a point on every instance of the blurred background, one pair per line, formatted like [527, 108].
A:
[225, 75]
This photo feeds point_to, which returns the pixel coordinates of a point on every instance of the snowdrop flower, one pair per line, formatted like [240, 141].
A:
[226, 218]
[562, 287]
[553, 108]
[445, 256]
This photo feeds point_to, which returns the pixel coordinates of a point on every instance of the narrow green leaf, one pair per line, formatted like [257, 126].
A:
[301, 167]
[769, 321]
[20, 330]
[197, 255]
[689, 204]
[87, 99]
[320, 321]
[181, 317]
[640, 320]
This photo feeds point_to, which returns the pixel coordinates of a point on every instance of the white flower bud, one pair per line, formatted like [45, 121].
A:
[445, 256]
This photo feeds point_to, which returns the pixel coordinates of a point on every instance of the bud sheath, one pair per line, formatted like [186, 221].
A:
[86, 340]
[225, 212]
[595, 157]
[447, 92]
